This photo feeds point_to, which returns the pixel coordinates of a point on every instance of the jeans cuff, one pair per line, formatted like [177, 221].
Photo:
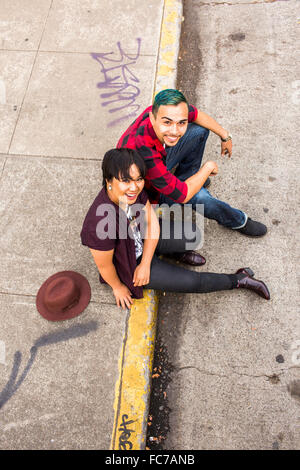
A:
[243, 225]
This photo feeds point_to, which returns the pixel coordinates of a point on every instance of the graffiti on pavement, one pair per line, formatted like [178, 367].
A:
[120, 82]
[125, 434]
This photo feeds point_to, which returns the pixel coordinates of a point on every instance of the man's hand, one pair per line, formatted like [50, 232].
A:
[123, 296]
[141, 275]
[226, 148]
[212, 166]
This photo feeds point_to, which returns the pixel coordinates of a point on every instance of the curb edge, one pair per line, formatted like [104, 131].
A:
[133, 387]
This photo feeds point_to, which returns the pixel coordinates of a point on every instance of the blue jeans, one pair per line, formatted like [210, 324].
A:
[186, 156]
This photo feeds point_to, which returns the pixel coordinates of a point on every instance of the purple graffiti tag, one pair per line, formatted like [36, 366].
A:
[120, 82]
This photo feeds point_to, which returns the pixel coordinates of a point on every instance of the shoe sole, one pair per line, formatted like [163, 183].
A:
[207, 183]
[249, 271]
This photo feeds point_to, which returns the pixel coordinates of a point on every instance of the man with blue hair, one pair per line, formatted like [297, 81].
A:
[172, 134]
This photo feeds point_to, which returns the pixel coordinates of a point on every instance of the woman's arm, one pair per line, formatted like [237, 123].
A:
[104, 262]
[142, 272]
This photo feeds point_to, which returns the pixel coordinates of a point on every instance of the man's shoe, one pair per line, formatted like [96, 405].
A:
[248, 282]
[189, 257]
[253, 229]
[207, 183]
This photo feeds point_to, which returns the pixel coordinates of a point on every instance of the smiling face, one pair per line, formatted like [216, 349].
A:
[126, 190]
[170, 123]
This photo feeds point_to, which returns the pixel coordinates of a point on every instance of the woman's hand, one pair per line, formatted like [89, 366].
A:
[123, 296]
[141, 275]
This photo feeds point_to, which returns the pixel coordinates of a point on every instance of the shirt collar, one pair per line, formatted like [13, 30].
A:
[157, 142]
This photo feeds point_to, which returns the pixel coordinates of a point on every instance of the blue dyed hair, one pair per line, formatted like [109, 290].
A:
[167, 97]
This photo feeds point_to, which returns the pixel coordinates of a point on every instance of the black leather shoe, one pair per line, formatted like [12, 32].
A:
[253, 229]
[189, 257]
[248, 282]
[207, 183]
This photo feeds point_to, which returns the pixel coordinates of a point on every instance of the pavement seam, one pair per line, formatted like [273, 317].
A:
[57, 157]
[33, 296]
[66, 52]
[29, 78]
[133, 386]
[119, 385]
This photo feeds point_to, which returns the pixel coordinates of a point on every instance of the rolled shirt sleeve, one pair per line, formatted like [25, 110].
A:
[162, 179]
[140, 136]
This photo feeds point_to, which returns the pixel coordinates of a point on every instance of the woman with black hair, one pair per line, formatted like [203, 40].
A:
[124, 236]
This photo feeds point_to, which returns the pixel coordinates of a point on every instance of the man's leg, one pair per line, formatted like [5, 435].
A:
[187, 155]
[214, 209]
[175, 237]
[218, 210]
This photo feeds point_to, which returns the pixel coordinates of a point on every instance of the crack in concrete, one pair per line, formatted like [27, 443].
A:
[202, 371]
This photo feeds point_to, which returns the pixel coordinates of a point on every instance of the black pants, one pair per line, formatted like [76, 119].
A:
[168, 277]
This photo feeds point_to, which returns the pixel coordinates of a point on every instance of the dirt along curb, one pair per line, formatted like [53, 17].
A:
[133, 387]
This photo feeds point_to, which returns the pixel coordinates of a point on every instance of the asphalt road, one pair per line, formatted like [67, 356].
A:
[234, 357]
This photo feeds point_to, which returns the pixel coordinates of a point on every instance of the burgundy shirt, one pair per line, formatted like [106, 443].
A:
[124, 257]
[140, 135]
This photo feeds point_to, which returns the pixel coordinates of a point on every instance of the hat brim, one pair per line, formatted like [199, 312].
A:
[84, 299]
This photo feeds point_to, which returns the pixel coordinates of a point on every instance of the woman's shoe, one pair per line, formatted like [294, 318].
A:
[248, 282]
[189, 257]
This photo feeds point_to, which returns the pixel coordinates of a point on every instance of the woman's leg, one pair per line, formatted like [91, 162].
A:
[170, 278]
[176, 235]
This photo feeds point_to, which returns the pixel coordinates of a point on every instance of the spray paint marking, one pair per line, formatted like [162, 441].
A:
[120, 81]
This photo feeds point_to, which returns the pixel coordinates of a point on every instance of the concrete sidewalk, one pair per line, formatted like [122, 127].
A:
[58, 117]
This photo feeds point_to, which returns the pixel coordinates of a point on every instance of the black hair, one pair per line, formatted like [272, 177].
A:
[117, 162]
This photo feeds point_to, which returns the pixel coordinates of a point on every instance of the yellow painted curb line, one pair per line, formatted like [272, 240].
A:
[135, 365]
[169, 45]
[132, 391]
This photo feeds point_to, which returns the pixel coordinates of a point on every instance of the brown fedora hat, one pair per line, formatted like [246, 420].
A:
[63, 295]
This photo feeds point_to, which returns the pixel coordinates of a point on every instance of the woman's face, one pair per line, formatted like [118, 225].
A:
[125, 190]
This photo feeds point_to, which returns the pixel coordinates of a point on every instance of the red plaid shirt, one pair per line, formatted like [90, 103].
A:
[140, 135]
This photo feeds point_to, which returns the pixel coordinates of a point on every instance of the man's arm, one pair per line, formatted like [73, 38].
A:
[210, 123]
[194, 183]
[167, 183]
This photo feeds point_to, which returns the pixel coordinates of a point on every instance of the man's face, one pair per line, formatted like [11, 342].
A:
[170, 123]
